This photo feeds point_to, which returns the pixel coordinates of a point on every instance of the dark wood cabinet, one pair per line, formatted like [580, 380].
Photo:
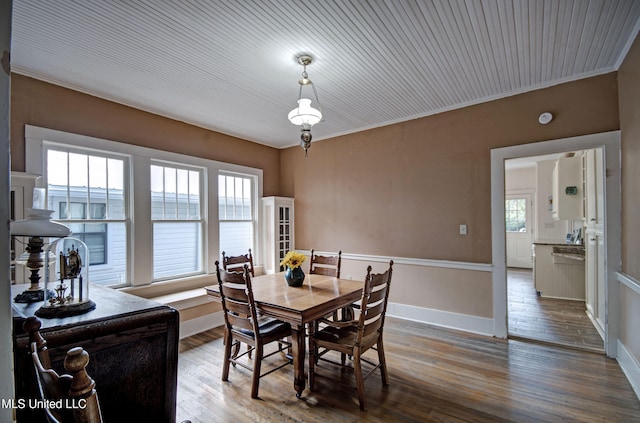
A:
[133, 348]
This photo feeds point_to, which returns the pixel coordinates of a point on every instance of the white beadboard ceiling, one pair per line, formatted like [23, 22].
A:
[230, 66]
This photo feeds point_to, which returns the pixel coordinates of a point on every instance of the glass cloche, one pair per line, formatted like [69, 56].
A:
[66, 291]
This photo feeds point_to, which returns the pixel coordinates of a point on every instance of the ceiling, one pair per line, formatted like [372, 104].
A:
[230, 66]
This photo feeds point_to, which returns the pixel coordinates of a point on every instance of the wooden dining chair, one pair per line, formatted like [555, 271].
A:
[355, 337]
[236, 263]
[74, 391]
[243, 325]
[325, 265]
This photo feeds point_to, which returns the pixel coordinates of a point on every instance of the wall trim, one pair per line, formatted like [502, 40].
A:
[460, 265]
[444, 319]
[628, 281]
[630, 367]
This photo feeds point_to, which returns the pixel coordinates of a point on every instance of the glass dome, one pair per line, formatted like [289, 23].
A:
[66, 291]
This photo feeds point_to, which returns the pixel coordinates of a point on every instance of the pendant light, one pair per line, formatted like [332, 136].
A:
[304, 115]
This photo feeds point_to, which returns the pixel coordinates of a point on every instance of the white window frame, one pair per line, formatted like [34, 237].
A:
[201, 220]
[254, 211]
[140, 232]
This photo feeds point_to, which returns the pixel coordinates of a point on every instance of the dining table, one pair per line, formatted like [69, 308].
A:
[318, 296]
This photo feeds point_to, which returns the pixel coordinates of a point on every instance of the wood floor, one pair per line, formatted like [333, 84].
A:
[563, 322]
[436, 375]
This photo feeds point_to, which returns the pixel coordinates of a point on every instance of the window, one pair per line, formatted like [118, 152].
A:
[235, 213]
[92, 234]
[177, 221]
[516, 215]
[86, 192]
[147, 215]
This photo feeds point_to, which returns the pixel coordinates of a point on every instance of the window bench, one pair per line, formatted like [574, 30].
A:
[198, 312]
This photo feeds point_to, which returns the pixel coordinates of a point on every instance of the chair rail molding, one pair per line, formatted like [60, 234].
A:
[461, 265]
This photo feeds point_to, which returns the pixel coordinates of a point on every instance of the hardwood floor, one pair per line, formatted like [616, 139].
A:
[435, 375]
[562, 322]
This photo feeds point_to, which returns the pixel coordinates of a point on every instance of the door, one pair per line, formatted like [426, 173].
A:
[518, 209]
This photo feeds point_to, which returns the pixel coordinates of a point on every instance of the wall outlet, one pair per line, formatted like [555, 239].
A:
[463, 229]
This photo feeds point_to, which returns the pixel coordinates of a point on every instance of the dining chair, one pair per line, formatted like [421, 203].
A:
[75, 392]
[236, 263]
[243, 325]
[325, 265]
[355, 337]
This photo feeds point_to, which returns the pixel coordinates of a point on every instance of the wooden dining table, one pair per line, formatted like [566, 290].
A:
[318, 296]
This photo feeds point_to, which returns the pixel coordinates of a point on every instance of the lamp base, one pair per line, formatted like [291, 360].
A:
[65, 310]
[31, 296]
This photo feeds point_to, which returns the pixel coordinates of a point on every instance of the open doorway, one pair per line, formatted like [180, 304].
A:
[609, 247]
[546, 299]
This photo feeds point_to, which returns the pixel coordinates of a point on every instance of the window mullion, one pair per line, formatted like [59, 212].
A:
[106, 189]
[177, 195]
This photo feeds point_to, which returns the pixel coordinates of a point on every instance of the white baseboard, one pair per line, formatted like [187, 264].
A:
[446, 319]
[630, 367]
[200, 324]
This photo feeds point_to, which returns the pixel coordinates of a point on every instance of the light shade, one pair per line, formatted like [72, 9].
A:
[304, 114]
[38, 224]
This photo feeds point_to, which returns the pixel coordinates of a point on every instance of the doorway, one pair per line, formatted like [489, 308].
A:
[532, 316]
[610, 142]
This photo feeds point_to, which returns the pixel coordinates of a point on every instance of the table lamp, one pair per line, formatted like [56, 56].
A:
[36, 226]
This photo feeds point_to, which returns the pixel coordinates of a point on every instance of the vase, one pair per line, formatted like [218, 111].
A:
[294, 277]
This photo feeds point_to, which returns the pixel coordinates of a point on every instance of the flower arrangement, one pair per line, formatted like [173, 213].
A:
[292, 260]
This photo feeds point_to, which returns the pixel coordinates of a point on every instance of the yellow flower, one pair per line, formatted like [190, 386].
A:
[292, 260]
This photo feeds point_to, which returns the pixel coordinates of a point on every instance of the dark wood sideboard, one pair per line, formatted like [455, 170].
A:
[133, 347]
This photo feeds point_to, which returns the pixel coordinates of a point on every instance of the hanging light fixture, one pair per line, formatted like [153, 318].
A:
[304, 115]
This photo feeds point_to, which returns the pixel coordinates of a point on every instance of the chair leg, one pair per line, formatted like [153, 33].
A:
[312, 364]
[383, 362]
[313, 327]
[257, 361]
[357, 369]
[228, 341]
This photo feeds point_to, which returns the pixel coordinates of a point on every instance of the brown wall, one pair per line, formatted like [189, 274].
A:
[404, 189]
[629, 79]
[38, 103]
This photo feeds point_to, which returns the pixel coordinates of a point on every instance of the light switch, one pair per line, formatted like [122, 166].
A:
[463, 229]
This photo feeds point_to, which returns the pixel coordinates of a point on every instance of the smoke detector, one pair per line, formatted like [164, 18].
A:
[545, 118]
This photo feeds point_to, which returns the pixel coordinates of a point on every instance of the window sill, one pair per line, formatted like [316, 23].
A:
[159, 289]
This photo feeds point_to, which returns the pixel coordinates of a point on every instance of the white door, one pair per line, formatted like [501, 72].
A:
[518, 220]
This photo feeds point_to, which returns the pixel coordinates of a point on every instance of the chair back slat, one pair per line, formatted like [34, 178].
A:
[238, 307]
[373, 310]
[372, 326]
[233, 276]
[236, 263]
[326, 271]
[377, 295]
[325, 265]
[239, 322]
[234, 291]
